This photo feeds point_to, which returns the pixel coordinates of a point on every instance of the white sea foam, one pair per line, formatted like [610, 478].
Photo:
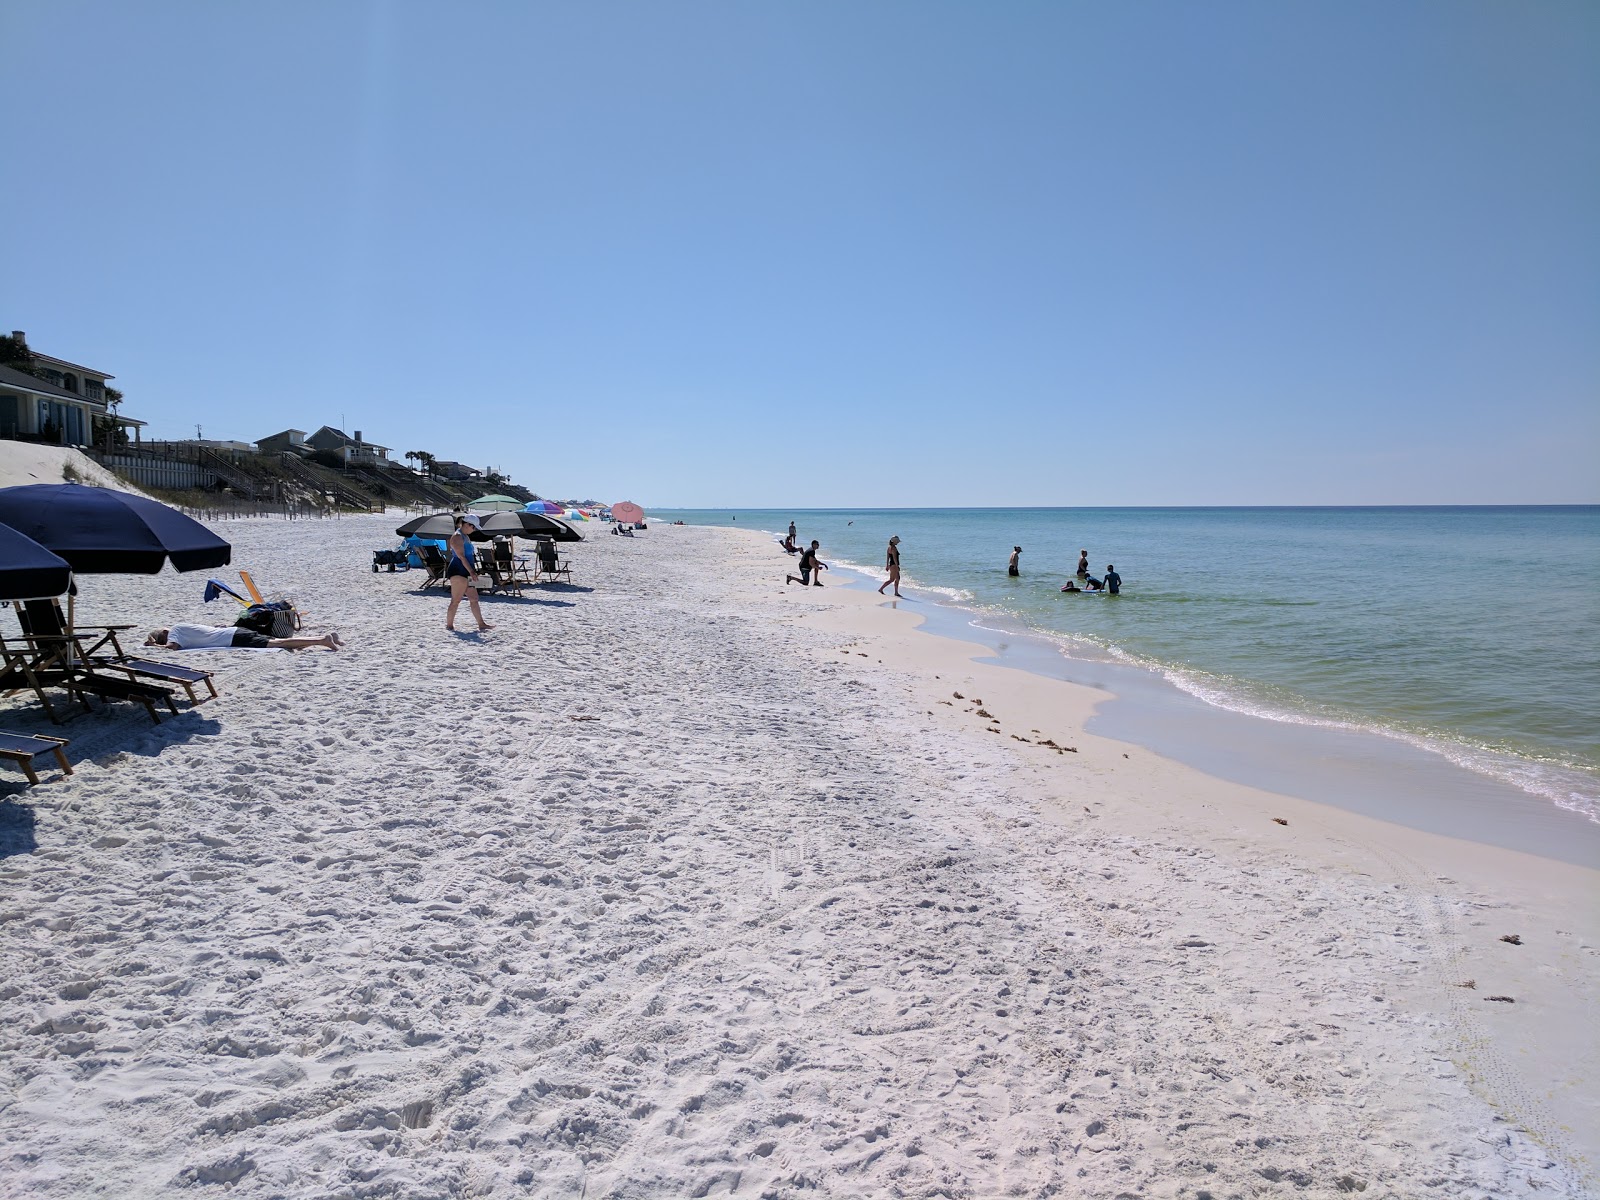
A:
[1567, 785]
[1563, 784]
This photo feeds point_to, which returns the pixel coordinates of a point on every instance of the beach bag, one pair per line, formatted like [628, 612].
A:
[277, 620]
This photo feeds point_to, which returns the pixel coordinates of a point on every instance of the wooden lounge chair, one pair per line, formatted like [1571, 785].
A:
[43, 619]
[40, 662]
[499, 579]
[550, 566]
[434, 562]
[509, 564]
[23, 671]
[21, 748]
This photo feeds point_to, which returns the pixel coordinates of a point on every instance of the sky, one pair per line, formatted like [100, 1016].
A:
[893, 254]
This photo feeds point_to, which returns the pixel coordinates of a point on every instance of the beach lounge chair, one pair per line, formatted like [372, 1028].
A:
[41, 660]
[434, 562]
[550, 566]
[511, 564]
[500, 580]
[21, 748]
[43, 619]
[22, 671]
[40, 663]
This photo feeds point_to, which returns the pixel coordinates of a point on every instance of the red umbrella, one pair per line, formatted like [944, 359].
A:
[628, 512]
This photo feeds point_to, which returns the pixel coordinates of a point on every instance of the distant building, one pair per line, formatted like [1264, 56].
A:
[289, 439]
[454, 471]
[353, 450]
[57, 405]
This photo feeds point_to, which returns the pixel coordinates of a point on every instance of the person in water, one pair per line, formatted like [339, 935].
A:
[1011, 567]
[810, 565]
[462, 572]
[892, 563]
[1113, 580]
[1091, 584]
[1083, 565]
[791, 534]
[1069, 586]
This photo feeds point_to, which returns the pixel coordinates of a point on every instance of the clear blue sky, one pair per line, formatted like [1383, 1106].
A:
[891, 253]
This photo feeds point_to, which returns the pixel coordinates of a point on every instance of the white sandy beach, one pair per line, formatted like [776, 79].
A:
[681, 883]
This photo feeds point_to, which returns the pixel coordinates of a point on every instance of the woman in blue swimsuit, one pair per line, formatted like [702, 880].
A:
[462, 572]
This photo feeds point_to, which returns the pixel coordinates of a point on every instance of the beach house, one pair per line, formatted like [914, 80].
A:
[353, 451]
[51, 400]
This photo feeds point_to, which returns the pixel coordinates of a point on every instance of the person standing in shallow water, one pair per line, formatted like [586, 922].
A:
[791, 532]
[1083, 564]
[892, 564]
[1011, 567]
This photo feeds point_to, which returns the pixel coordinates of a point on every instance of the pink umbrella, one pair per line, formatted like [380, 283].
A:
[628, 512]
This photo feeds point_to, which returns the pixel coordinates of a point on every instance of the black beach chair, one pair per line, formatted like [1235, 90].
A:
[22, 748]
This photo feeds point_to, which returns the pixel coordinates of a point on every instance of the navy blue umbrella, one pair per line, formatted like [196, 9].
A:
[101, 531]
[27, 570]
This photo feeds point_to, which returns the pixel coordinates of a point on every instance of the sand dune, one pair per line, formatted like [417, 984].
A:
[663, 889]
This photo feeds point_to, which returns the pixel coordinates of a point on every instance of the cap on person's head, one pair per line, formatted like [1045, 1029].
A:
[896, 538]
[469, 519]
[1018, 549]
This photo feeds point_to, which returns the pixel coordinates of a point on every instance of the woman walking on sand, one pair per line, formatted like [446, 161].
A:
[462, 572]
[892, 562]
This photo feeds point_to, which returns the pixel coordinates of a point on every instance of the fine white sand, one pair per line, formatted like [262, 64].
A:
[27, 462]
[682, 883]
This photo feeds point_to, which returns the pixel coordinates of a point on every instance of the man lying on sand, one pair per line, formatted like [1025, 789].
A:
[229, 637]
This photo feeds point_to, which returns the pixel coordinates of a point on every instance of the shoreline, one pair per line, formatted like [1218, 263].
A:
[681, 882]
[1361, 770]
[1563, 773]
[1169, 798]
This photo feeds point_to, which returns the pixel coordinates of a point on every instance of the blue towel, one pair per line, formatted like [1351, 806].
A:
[215, 589]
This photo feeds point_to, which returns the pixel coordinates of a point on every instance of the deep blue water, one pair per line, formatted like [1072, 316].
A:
[1472, 631]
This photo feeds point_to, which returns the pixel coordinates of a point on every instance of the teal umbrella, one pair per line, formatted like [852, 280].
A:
[495, 504]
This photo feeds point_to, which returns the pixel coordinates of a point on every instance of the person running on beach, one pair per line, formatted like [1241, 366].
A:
[892, 563]
[462, 572]
[1011, 567]
[1083, 564]
[788, 542]
[1113, 580]
[229, 637]
[810, 565]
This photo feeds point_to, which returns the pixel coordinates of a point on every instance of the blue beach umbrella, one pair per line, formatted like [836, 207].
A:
[101, 531]
[27, 570]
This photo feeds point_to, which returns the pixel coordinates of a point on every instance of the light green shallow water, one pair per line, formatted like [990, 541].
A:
[1472, 631]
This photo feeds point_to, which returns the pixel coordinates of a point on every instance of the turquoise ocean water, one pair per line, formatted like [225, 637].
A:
[1471, 632]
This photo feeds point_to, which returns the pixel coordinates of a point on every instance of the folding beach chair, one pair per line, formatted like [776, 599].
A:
[43, 619]
[434, 562]
[508, 563]
[22, 672]
[286, 626]
[47, 656]
[550, 566]
[504, 577]
[21, 748]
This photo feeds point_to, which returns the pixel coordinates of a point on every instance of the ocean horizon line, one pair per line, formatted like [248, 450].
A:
[732, 508]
